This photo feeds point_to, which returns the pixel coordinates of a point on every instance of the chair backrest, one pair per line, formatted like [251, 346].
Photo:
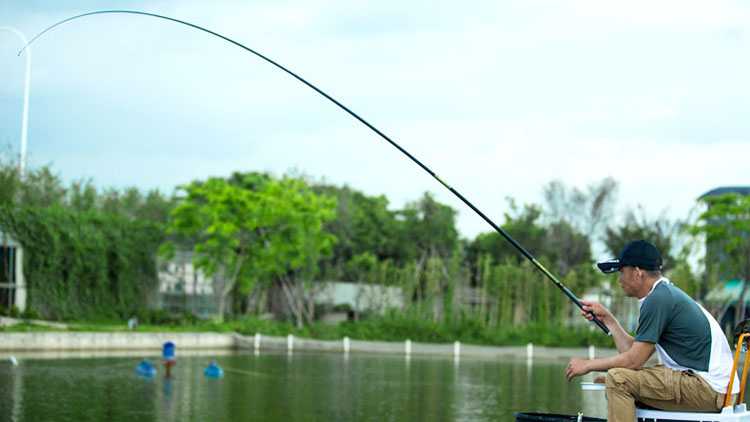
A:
[741, 334]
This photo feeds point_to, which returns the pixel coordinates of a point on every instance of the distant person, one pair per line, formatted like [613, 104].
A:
[167, 353]
[697, 358]
[133, 323]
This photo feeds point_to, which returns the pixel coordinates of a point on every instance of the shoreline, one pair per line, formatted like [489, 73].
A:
[40, 343]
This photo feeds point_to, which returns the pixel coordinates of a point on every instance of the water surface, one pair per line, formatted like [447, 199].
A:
[295, 388]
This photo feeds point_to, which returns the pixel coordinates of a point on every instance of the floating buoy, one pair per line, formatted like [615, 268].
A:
[213, 370]
[145, 369]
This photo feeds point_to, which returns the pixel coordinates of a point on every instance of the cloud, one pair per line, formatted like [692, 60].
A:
[498, 98]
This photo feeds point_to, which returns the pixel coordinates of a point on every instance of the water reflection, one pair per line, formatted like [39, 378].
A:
[279, 387]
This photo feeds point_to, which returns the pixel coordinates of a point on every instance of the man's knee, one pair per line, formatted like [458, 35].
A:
[617, 378]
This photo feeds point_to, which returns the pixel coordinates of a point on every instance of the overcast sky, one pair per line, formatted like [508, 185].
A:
[497, 97]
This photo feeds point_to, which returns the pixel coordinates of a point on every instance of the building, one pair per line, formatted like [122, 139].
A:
[12, 283]
[183, 288]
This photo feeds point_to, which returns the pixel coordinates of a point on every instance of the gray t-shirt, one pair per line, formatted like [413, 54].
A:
[672, 319]
[686, 336]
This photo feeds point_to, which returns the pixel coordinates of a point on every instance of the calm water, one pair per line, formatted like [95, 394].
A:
[279, 387]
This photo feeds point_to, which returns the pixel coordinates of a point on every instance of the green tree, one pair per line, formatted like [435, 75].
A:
[559, 243]
[363, 224]
[726, 225]
[42, 188]
[587, 210]
[430, 227]
[10, 182]
[246, 236]
[363, 266]
[82, 265]
[659, 231]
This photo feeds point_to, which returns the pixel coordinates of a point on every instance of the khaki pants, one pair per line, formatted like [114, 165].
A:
[659, 387]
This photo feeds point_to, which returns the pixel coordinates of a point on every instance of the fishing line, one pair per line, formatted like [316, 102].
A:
[244, 372]
[497, 228]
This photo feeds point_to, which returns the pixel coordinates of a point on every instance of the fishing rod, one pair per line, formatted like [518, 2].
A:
[497, 228]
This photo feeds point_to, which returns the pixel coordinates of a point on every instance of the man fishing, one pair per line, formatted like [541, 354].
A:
[697, 358]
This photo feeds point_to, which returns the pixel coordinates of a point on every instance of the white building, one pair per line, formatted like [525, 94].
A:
[12, 283]
[183, 288]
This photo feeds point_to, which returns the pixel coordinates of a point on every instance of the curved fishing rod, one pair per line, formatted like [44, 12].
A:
[497, 228]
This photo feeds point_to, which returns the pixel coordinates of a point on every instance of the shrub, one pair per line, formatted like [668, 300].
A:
[29, 314]
[190, 318]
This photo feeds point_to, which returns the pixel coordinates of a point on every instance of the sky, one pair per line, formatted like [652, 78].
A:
[497, 97]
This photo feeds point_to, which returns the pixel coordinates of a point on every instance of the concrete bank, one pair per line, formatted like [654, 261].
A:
[409, 348]
[67, 340]
[132, 341]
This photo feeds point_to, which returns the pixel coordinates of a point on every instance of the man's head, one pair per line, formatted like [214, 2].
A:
[639, 264]
[636, 253]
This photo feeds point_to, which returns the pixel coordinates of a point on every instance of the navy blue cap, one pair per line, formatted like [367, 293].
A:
[636, 253]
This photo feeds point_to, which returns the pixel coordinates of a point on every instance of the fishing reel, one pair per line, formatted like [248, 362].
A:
[742, 328]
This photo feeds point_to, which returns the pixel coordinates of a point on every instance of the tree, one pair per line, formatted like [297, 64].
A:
[362, 265]
[42, 188]
[658, 231]
[560, 244]
[586, 210]
[726, 225]
[247, 236]
[10, 183]
[430, 226]
[523, 225]
[363, 224]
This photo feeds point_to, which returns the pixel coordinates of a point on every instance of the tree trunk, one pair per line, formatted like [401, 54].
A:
[230, 282]
[356, 301]
[417, 284]
[295, 307]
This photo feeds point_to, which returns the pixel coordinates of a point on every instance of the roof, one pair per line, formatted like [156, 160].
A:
[728, 291]
[742, 190]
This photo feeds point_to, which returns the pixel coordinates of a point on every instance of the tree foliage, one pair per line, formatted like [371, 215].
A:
[87, 253]
[658, 231]
[726, 225]
[559, 244]
[587, 210]
[92, 251]
[429, 227]
[84, 265]
[254, 235]
[362, 224]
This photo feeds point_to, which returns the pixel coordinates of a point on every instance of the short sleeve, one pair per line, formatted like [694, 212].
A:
[654, 317]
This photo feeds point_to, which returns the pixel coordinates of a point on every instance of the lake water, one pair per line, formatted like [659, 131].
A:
[280, 387]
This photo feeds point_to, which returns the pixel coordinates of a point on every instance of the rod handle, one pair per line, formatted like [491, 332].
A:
[601, 325]
[575, 300]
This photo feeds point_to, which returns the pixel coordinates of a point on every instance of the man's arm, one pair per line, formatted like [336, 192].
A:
[634, 358]
[623, 340]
